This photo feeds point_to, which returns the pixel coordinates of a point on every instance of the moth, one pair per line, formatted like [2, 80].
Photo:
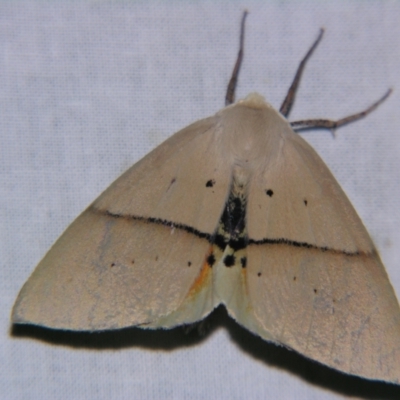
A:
[235, 209]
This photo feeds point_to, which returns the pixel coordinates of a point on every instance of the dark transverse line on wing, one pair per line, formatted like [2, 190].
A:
[210, 237]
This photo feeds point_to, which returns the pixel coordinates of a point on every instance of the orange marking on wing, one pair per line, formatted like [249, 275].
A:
[244, 279]
[202, 278]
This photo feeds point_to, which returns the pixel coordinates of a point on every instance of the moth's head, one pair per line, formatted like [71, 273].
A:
[254, 100]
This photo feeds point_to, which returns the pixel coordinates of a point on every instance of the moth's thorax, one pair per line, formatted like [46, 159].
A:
[250, 130]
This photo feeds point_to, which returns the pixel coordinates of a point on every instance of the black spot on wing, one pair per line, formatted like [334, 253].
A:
[210, 183]
[229, 260]
[211, 260]
[269, 192]
[173, 180]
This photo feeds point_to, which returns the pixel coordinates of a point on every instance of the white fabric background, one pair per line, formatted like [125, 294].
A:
[87, 88]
